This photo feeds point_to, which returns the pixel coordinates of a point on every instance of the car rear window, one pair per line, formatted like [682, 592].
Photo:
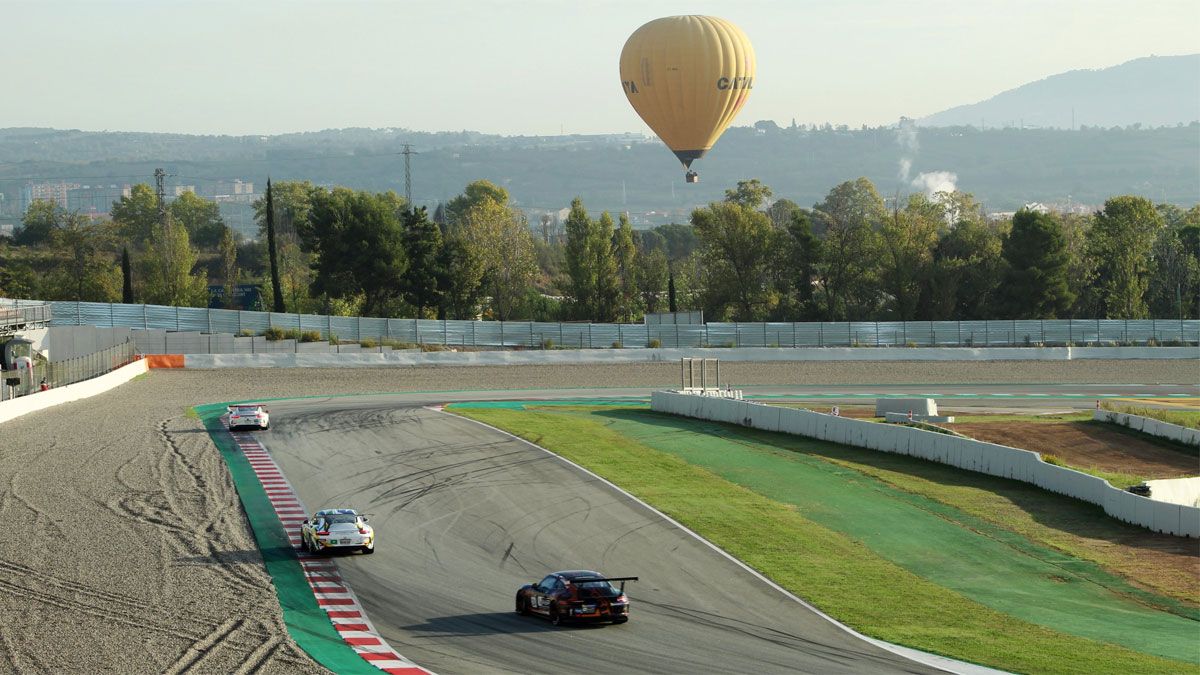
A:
[245, 410]
[601, 588]
[339, 518]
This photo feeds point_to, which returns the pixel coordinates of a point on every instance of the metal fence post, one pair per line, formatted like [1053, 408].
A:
[1042, 325]
[145, 321]
[619, 338]
[502, 334]
[473, 333]
[793, 335]
[358, 330]
[176, 318]
[208, 315]
[446, 334]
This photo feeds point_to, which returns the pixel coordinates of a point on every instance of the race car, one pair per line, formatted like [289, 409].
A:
[249, 415]
[576, 595]
[337, 530]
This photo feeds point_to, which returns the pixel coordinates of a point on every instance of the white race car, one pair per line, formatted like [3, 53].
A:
[337, 529]
[245, 415]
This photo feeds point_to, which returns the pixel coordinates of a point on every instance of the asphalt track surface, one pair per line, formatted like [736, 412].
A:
[465, 515]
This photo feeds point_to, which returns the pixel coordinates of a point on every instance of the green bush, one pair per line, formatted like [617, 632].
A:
[245, 332]
[654, 343]
[368, 343]
[1053, 459]
[547, 344]
[616, 344]
[310, 336]
[274, 333]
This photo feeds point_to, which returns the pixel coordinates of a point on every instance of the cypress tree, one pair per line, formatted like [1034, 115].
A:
[127, 277]
[276, 287]
[671, 292]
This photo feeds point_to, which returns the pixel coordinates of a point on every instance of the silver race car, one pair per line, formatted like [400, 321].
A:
[337, 530]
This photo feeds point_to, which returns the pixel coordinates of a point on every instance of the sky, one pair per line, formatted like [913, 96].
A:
[530, 67]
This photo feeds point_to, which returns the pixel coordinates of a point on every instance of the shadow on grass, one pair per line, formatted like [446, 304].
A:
[1052, 510]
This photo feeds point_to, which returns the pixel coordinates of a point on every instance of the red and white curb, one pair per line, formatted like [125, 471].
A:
[333, 594]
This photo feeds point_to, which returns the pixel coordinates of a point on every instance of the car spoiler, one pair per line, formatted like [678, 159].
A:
[620, 579]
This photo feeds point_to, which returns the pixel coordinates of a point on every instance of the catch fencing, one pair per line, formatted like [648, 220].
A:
[68, 371]
[535, 334]
[964, 453]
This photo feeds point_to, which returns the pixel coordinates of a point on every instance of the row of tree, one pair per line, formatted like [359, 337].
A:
[852, 256]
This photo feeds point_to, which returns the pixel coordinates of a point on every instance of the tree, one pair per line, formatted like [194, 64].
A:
[126, 277]
[227, 247]
[85, 271]
[359, 244]
[500, 238]
[625, 253]
[422, 244]
[38, 224]
[750, 194]
[737, 249]
[681, 240]
[800, 260]
[1174, 289]
[781, 213]
[967, 267]
[1035, 279]
[1120, 242]
[651, 277]
[604, 263]
[200, 217]
[849, 218]
[460, 276]
[580, 273]
[672, 307]
[136, 216]
[167, 277]
[273, 252]
[909, 238]
[291, 202]
[474, 194]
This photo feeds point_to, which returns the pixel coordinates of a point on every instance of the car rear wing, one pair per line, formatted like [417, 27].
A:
[579, 580]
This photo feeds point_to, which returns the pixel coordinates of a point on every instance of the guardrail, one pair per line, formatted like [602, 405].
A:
[534, 334]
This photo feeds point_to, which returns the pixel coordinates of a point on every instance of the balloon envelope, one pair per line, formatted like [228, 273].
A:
[687, 77]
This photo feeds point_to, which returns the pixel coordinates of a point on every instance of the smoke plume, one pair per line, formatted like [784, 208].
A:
[933, 182]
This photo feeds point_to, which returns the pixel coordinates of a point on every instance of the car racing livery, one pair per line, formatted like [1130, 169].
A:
[337, 530]
[245, 415]
[576, 595]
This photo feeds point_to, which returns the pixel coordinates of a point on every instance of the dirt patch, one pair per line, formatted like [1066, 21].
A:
[1087, 445]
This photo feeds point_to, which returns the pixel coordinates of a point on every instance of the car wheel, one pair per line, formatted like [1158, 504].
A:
[555, 617]
[522, 605]
[266, 426]
[621, 620]
[367, 550]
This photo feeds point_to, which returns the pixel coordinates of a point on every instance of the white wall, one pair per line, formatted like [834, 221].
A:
[487, 358]
[965, 453]
[1184, 491]
[12, 408]
[1149, 425]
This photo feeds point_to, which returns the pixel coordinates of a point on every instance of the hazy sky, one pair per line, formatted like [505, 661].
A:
[530, 66]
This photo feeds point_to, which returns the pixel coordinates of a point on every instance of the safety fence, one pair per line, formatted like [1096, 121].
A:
[14, 317]
[964, 453]
[535, 334]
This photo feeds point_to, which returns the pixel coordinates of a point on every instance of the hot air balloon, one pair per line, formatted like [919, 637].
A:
[687, 77]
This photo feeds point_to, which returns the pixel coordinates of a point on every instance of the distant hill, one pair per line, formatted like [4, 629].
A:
[1004, 168]
[1152, 91]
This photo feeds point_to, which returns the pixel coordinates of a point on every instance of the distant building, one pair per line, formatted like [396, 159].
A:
[54, 192]
[96, 200]
[180, 189]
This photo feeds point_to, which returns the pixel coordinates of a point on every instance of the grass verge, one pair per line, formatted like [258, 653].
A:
[1184, 418]
[835, 572]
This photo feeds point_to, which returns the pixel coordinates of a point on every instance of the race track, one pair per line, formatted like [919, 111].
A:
[465, 515]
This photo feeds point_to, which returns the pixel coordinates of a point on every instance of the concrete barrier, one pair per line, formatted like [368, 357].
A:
[989, 458]
[290, 359]
[925, 407]
[1149, 425]
[41, 400]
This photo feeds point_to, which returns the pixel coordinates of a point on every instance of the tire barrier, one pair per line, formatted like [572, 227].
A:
[964, 453]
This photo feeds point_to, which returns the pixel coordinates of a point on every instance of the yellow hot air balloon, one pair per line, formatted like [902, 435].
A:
[688, 76]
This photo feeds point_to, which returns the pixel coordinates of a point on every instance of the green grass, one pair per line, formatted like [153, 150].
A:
[1184, 418]
[838, 573]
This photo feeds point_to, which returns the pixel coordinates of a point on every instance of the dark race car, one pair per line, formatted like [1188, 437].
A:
[576, 595]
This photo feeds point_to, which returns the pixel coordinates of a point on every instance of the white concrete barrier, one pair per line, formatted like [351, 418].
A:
[581, 356]
[1149, 425]
[925, 407]
[989, 458]
[41, 400]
